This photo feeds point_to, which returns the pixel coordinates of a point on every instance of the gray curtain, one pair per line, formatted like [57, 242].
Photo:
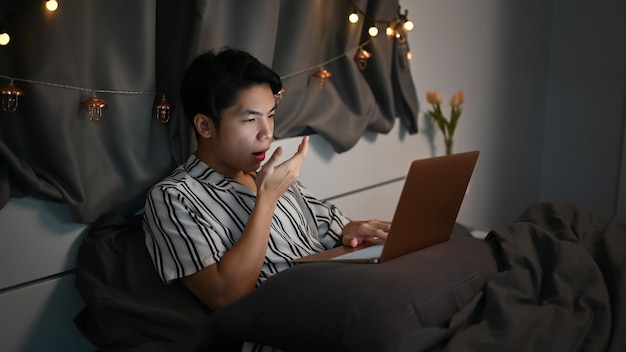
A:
[129, 53]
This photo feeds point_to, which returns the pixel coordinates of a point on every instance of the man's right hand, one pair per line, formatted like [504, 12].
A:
[274, 179]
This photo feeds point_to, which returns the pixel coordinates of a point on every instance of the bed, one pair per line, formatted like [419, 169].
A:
[553, 280]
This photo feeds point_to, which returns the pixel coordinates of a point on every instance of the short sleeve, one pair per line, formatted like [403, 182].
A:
[328, 218]
[180, 241]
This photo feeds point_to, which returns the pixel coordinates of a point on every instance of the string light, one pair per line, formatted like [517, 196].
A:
[278, 97]
[10, 96]
[394, 27]
[86, 102]
[5, 38]
[353, 17]
[361, 57]
[372, 31]
[409, 25]
[400, 37]
[52, 5]
[94, 107]
[323, 75]
[162, 110]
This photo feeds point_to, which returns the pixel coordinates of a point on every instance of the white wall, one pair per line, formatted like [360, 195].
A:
[38, 299]
[515, 61]
[490, 49]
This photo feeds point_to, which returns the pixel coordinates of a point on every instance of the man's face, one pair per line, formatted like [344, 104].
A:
[246, 131]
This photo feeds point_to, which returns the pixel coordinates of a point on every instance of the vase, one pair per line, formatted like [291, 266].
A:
[448, 146]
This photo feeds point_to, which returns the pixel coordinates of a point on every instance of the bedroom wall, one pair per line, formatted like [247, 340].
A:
[586, 110]
[529, 104]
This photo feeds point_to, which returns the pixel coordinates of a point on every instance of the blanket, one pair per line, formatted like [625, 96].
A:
[562, 288]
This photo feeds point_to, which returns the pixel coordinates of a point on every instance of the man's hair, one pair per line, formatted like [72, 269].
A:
[213, 79]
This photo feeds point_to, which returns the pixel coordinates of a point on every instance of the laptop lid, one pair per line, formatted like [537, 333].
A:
[429, 203]
[426, 211]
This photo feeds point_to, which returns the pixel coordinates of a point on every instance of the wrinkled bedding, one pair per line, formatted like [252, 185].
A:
[562, 288]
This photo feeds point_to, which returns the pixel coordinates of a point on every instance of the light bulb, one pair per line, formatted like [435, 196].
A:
[389, 31]
[409, 25]
[10, 96]
[323, 75]
[373, 31]
[409, 56]
[361, 57]
[353, 17]
[94, 108]
[5, 38]
[52, 5]
[162, 110]
[278, 97]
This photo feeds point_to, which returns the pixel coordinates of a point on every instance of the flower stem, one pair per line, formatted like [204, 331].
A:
[448, 146]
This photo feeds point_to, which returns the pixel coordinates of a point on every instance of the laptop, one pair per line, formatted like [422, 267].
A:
[425, 214]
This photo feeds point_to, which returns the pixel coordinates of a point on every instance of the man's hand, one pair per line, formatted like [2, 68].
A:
[273, 180]
[355, 232]
[238, 271]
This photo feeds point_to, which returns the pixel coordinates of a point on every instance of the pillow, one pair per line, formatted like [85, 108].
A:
[127, 306]
[359, 307]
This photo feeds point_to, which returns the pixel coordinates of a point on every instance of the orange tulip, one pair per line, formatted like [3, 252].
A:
[447, 126]
[457, 99]
[433, 97]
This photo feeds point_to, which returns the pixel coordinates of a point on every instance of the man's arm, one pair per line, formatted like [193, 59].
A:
[238, 271]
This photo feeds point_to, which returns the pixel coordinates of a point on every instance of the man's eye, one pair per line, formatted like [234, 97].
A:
[271, 116]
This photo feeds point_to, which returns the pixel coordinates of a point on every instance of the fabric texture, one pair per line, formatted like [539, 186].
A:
[128, 308]
[193, 217]
[132, 60]
[360, 307]
[563, 288]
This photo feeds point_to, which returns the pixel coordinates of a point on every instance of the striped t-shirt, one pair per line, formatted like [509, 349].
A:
[195, 215]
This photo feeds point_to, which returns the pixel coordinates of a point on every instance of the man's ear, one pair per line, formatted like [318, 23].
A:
[204, 126]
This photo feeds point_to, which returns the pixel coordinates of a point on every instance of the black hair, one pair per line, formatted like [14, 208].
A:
[213, 79]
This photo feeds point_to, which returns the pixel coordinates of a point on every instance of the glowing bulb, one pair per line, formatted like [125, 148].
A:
[389, 31]
[5, 38]
[409, 25]
[354, 17]
[373, 31]
[52, 5]
[409, 56]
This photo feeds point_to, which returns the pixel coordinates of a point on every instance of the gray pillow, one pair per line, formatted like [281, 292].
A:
[360, 307]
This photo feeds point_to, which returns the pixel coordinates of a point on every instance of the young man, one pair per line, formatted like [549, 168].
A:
[221, 223]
